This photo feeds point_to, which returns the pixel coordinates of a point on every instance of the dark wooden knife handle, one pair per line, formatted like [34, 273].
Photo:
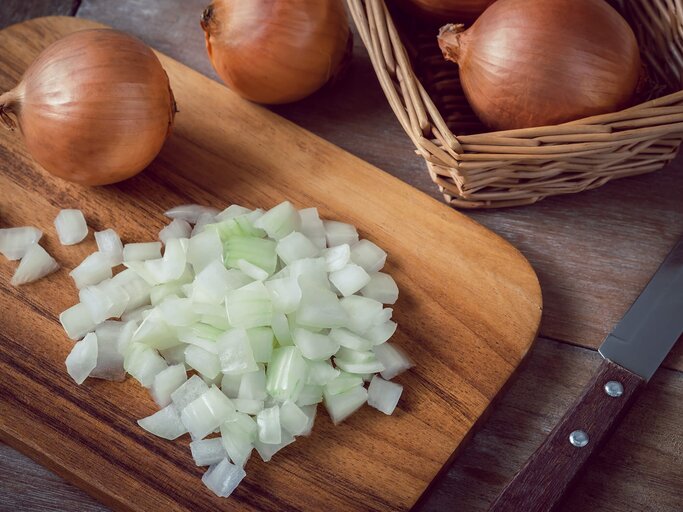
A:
[549, 472]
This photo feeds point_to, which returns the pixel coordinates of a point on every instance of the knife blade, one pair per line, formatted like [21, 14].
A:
[631, 353]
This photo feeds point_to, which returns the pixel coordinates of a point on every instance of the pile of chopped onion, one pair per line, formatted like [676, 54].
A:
[271, 312]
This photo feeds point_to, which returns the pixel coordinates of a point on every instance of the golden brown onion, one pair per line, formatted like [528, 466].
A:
[528, 63]
[94, 108]
[448, 11]
[276, 51]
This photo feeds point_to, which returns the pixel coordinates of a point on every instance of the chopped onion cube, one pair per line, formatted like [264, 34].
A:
[94, 269]
[349, 279]
[268, 421]
[286, 374]
[171, 265]
[14, 242]
[109, 243]
[230, 384]
[253, 385]
[213, 283]
[203, 249]
[188, 392]
[382, 288]
[105, 300]
[368, 255]
[361, 312]
[295, 246]
[223, 478]
[71, 227]
[343, 405]
[247, 405]
[166, 382]
[35, 264]
[249, 306]
[313, 345]
[164, 423]
[77, 321]
[310, 395]
[285, 294]
[204, 220]
[251, 270]
[279, 221]
[206, 452]
[237, 437]
[280, 326]
[177, 228]
[343, 382]
[266, 450]
[292, 418]
[309, 411]
[349, 339]
[155, 332]
[313, 227]
[336, 257]
[338, 233]
[142, 251]
[378, 334]
[257, 251]
[189, 212]
[235, 354]
[232, 211]
[383, 395]
[137, 288]
[143, 363]
[394, 360]
[321, 308]
[109, 361]
[309, 272]
[82, 359]
[206, 413]
[261, 340]
[320, 372]
[178, 312]
[203, 361]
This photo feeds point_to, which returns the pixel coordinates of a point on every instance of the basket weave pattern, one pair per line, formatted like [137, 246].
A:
[476, 169]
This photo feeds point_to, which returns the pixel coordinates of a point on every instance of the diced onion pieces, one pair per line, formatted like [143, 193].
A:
[71, 227]
[14, 242]
[35, 263]
[282, 309]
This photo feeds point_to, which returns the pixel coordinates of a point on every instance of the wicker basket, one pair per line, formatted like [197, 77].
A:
[479, 169]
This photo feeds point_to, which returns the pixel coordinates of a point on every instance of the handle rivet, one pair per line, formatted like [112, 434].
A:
[578, 438]
[614, 388]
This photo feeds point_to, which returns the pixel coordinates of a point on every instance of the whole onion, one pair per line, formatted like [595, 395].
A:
[276, 51]
[532, 63]
[444, 11]
[94, 108]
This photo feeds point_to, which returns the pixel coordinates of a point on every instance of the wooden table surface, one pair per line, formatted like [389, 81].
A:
[593, 253]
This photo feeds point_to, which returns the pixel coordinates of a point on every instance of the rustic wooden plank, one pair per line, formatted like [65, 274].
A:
[16, 11]
[466, 340]
[639, 469]
[27, 485]
[593, 251]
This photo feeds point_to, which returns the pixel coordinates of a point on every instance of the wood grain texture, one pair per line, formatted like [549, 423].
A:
[466, 333]
[548, 474]
[593, 251]
[15, 11]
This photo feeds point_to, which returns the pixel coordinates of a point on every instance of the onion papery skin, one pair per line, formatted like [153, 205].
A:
[526, 63]
[446, 11]
[94, 108]
[276, 51]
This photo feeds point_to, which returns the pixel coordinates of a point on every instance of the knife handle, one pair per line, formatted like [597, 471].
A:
[549, 472]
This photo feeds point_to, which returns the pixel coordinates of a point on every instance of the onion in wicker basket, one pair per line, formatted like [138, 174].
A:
[479, 169]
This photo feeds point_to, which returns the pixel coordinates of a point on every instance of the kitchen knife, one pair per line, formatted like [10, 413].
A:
[631, 353]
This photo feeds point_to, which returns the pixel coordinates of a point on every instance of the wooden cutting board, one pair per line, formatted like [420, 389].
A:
[469, 310]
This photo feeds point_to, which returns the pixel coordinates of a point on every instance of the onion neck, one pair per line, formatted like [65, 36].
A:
[9, 106]
[451, 41]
